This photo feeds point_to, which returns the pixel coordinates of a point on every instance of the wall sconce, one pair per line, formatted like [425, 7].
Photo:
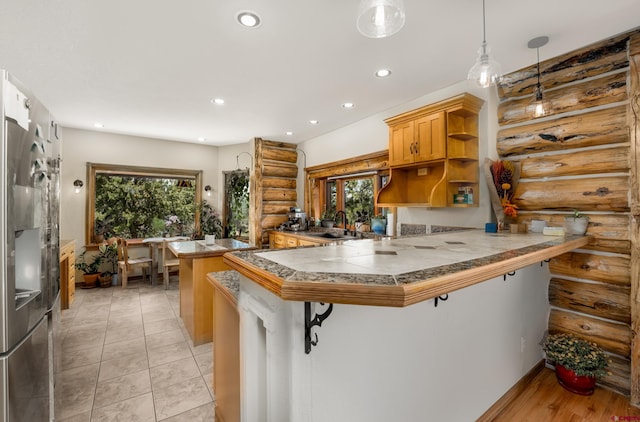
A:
[78, 185]
[208, 190]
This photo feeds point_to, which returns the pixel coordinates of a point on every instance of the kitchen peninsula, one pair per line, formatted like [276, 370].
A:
[388, 360]
[196, 294]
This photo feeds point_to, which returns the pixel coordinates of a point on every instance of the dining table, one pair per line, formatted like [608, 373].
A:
[154, 244]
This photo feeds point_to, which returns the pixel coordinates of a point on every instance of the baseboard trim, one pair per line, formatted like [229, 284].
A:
[512, 394]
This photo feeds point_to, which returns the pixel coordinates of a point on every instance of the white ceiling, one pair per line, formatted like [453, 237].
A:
[151, 67]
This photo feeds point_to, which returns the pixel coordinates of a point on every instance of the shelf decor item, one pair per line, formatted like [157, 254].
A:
[379, 224]
[578, 362]
[576, 223]
[502, 178]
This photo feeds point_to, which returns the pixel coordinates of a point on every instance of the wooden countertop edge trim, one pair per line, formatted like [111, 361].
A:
[428, 289]
[261, 277]
[393, 296]
[221, 288]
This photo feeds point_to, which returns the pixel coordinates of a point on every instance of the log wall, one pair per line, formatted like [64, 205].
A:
[584, 155]
[273, 187]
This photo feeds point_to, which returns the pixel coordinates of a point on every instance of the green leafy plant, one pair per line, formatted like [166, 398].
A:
[583, 357]
[577, 214]
[89, 265]
[210, 222]
[328, 214]
[108, 254]
[237, 204]
[362, 216]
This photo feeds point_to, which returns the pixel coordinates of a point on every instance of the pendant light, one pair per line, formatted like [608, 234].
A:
[486, 71]
[380, 18]
[541, 106]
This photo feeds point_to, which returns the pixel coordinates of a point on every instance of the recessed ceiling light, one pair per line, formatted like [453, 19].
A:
[98, 125]
[313, 122]
[383, 73]
[202, 139]
[217, 101]
[288, 133]
[348, 105]
[248, 19]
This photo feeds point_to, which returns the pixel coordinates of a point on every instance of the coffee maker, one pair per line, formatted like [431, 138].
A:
[297, 220]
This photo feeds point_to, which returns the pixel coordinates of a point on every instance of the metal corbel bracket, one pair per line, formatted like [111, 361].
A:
[310, 321]
[443, 298]
[511, 274]
[546, 260]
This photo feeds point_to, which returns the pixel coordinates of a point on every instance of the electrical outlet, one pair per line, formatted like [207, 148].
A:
[423, 171]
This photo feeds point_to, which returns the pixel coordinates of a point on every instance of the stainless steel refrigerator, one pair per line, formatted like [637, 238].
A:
[29, 263]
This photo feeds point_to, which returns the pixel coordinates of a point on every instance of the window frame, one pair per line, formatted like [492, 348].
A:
[126, 170]
[316, 178]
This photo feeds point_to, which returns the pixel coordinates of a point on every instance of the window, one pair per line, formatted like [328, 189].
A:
[350, 185]
[138, 202]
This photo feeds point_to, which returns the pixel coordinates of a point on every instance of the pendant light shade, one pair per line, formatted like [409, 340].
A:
[541, 107]
[380, 18]
[486, 71]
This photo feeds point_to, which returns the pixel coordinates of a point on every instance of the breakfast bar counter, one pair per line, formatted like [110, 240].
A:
[196, 294]
[432, 327]
[397, 272]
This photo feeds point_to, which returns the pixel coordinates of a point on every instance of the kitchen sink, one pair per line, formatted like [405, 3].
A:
[333, 235]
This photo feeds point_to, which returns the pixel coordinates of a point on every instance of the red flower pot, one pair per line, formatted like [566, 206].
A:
[579, 384]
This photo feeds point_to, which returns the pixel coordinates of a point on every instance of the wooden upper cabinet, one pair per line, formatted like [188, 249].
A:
[433, 155]
[430, 138]
[419, 140]
[401, 142]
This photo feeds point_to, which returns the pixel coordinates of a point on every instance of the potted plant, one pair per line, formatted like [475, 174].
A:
[362, 221]
[90, 266]
[578, 362]
[379, 224]
[328, 218]
[108, 254]
[576, 223]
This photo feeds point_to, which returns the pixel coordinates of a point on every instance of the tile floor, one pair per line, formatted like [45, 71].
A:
[126, 356]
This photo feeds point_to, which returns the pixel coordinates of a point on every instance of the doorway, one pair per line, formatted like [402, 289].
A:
[236, 204]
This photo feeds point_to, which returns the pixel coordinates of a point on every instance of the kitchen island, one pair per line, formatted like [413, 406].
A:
[196, 294]
[449, 358]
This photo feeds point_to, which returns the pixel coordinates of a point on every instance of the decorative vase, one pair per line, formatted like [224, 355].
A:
[90, 280]
[379, 225]
[578, 384]
[328, 223]
[576, 225]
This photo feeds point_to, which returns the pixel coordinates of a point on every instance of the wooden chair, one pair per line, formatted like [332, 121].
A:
[169, 261]
[126, 264]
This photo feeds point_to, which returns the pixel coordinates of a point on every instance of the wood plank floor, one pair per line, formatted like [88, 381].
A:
[545, 400]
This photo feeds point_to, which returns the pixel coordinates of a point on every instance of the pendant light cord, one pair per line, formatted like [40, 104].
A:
[538, 50]
[484, 24]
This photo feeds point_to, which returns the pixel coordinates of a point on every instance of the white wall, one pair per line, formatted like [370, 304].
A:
[371, 135]
[81, 146]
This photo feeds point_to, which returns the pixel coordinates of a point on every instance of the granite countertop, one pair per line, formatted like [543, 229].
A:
[227, 282]
[396, 272]
[198, 248]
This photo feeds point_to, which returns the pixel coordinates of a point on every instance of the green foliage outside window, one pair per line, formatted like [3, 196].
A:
[237, 202]
[138, 207]
[358, 198]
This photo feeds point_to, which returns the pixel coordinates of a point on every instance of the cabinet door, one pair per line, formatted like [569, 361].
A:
[401, 144]
[292, 242]
[302, 242]
[431, 137]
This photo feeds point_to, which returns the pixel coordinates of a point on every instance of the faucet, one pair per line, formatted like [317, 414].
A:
[344, 221]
